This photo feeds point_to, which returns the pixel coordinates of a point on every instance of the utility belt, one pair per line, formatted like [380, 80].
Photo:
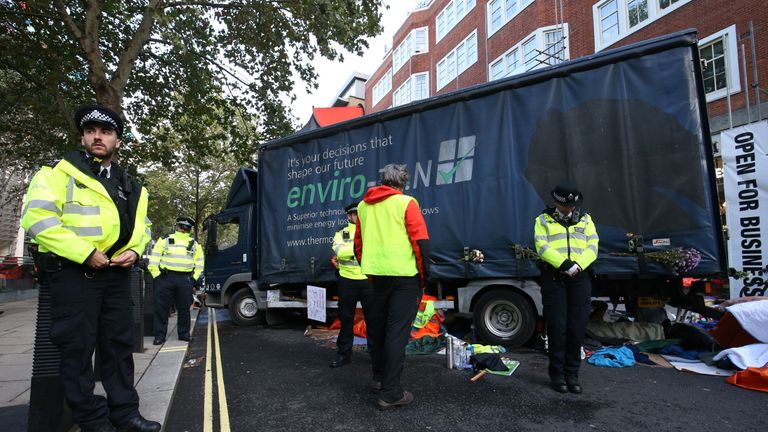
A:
[165, 271]
[49, 262]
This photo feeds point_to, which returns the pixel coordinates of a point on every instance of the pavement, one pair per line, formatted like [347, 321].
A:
[155, 376]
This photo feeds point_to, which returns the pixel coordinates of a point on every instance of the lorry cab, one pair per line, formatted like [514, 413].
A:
[230, 252]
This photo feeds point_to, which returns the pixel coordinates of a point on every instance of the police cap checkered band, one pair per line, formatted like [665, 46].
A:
[566, 194]
[185, 221]
[98, 114]
[351, 208]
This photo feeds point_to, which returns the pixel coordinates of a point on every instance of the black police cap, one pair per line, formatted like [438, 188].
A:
[352, 207]
[98, 114]
[185, 221]
[567, 194]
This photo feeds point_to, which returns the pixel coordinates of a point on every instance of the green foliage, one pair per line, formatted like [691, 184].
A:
[168, 64]
[186, 190]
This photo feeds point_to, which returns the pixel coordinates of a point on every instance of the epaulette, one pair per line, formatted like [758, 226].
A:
[52, 163]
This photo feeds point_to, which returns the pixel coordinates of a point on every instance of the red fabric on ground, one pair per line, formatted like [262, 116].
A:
[752, 378]
[730, 334]
[358, 328]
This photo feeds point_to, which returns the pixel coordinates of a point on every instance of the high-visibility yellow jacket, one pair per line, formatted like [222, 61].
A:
[344, 247]
[68, 211]
[388, 250]
[177, 252]
[558, 241]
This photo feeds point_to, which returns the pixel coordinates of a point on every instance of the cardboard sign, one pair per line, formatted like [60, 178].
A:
[316, 303]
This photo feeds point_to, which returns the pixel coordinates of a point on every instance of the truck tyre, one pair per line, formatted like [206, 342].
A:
[504, 317]
[244, 310]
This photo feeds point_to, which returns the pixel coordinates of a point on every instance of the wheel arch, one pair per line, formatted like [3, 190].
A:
[529, 288]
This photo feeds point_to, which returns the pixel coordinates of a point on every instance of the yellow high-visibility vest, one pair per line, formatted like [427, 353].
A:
[70, 213]
[555, 243]
[387, 248]
[177, 252]
[344, 247]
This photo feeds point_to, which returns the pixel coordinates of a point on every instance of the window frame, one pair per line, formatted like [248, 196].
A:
[442, 17]
[407, 48]
[385, 76]
[655, 12]
[541, 40]
[409, 86]
[444, 64]
[731, 53]
[505, 18]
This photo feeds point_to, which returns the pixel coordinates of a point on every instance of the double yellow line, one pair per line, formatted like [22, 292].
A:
[221, 392]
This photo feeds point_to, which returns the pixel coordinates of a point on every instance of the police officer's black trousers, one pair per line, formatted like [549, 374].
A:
[93, 309]
[172, 289]
[566, 311]
[350, 292]
[396, 301]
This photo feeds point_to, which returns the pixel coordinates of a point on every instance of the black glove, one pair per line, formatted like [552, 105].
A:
[567, 264]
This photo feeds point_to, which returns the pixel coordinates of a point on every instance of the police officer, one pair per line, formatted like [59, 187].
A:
[88, 217]
[176, 263]
[392, 246]
[353, 287]
[566, 241]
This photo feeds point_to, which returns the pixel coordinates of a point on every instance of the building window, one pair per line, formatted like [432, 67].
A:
[719, 64]
[663, 4]
[638, 11]
[609, 20]
[501, 12]
[617, 19]
[497, 69]
[382, 87]
[451, 15]
[529, 53]
[543, 47]
[416, 87]
[415, 43]
[420, 40]
[458, 60]
[421, 86]
[512, 60]
[554, 47]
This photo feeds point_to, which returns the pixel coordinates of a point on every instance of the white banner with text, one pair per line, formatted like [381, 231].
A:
[745, 171]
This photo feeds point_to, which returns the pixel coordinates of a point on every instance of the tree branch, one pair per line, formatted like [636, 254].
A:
[30, 14]
[133, 48]
[76, 32]
[207, 59]
[206, 4]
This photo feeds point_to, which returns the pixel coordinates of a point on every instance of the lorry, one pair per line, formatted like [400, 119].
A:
[628, 126]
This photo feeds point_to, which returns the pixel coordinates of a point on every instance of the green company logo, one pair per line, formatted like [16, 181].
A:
[456, 160]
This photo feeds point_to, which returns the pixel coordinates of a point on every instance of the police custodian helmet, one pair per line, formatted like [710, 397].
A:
[567, 194]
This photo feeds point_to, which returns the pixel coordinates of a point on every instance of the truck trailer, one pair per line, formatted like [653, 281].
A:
[628, 126]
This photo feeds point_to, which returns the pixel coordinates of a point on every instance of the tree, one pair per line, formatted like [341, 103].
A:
[189, 191]
[162, 60]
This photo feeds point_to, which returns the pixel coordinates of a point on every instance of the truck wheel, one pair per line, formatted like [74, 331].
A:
[244, 310]
[504, 317]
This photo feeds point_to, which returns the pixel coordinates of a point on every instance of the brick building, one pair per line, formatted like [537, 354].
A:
[446, 45]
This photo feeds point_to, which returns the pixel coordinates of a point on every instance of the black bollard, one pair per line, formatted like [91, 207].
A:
[48, 411]
[137, 295]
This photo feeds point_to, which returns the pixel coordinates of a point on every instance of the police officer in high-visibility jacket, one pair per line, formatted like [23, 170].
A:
[566, 241]
[88, 217]
[176, 263]
[353, 286]
[392, 246]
